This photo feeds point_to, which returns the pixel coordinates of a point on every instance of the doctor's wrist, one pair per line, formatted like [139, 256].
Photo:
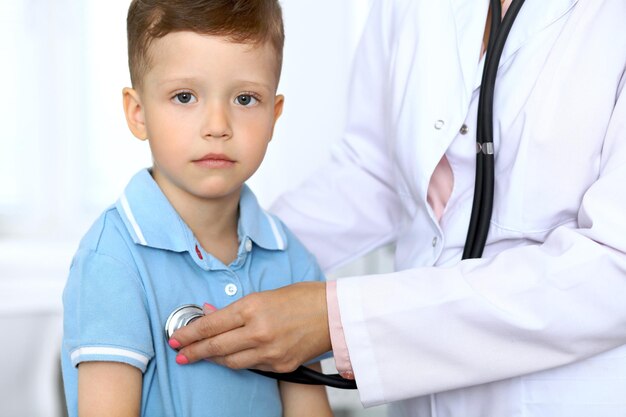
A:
[337, 336]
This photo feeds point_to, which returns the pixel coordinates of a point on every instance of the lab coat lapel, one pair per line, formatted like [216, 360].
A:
[470, 20]
[534, 16]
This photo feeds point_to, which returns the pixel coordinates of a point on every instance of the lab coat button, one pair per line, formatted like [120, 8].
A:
[435, 240]
[439, 124]
[248, 245]
[230, 289]
[464, 129]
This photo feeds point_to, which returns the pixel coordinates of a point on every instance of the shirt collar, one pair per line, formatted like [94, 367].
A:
[152, 221]
[263, 228]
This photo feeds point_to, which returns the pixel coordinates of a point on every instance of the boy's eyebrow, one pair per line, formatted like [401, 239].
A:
[176, 79]
[255, 83]
[191, 80]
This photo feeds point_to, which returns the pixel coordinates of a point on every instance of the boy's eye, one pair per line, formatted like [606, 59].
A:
[184, 97]
[245, 100]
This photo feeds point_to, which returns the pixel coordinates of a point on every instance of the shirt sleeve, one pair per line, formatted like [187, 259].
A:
[105, 312]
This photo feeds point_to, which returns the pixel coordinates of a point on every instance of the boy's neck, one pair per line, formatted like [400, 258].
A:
[212, 221]
[214, 224]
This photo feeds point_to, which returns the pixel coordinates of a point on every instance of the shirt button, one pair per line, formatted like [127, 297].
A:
[248, 245]
[435, 240]
[439, 124]
[464, 129]
[230, 289]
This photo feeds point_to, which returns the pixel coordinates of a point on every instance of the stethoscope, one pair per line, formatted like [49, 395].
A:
[481, 207]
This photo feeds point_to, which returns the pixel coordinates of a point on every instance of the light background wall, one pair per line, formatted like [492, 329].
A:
[66, 154]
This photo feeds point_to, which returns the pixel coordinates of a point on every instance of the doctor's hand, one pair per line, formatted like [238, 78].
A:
[274, 330]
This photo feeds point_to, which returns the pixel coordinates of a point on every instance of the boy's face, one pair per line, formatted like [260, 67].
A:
[208, 108]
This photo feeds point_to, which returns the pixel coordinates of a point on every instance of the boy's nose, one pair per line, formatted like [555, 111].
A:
[217, 124]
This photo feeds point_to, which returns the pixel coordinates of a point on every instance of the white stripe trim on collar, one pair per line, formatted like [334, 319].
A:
[279, 239]
[109, 351]
[131, 219]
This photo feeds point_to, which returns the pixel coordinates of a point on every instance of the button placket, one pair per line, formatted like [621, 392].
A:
[232, 284]
[231, 289]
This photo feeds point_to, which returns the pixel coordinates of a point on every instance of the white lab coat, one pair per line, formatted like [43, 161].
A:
[537, 327]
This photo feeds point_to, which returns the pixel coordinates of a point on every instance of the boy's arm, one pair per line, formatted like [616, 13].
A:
[305, 400]
[108, 389]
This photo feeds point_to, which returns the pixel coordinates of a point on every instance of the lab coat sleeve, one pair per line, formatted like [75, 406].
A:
[526, 309]
[327, 205]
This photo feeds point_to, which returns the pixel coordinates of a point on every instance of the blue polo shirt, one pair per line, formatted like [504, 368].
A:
[138, 263]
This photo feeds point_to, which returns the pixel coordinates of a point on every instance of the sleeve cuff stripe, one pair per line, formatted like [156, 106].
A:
[109, 351]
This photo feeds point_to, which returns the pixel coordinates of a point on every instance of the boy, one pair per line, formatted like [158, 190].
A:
[204, 76]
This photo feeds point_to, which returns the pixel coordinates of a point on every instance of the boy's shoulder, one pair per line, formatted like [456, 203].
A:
[108, 236]
[299, 256]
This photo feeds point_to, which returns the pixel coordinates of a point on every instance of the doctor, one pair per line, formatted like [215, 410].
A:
[537, 326]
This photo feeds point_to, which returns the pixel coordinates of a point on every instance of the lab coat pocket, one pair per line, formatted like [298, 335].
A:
[554, 142]
[542, 186]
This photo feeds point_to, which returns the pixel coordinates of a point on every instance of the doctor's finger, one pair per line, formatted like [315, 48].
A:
[207, 326]
[252, 359]
[222, 345]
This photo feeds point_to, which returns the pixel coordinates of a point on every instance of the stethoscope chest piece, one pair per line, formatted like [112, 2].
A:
[181, 317]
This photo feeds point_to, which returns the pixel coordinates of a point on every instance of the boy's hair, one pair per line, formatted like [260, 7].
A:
[240, 21]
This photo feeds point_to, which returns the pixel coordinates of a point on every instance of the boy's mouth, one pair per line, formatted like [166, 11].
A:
[215, 160]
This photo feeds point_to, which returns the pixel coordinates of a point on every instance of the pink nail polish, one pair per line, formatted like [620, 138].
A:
[209, 307]
[181, 359]
[174, 344]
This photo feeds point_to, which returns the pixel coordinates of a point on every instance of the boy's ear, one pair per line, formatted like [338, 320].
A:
[279, 101]
[133, 110]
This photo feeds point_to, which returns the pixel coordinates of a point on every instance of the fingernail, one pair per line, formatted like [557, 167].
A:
[181, 359]
[174, 344]
[209, 307]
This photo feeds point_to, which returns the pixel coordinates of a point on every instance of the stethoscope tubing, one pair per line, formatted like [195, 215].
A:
[306, 376]
[482, 205]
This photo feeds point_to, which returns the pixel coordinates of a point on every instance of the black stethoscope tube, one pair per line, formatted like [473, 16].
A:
[304, 375]
[484, 185]
[482, 205]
